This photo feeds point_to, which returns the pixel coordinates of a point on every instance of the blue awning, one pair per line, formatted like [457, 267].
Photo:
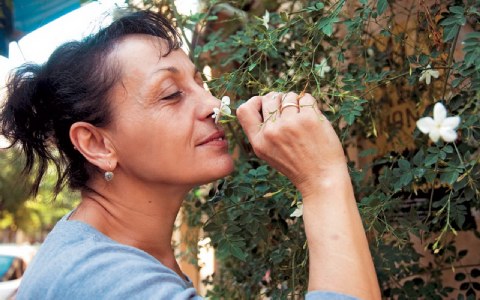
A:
[5, 264]
[27, 16]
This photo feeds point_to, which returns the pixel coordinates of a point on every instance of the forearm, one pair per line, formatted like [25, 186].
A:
[338, 248]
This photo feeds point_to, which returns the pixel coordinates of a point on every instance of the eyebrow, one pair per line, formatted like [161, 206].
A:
[175, 70]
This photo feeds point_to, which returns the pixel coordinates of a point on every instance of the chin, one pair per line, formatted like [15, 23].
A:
[219, 170]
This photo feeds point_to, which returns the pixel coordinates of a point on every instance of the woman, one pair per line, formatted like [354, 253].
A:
[125, 116]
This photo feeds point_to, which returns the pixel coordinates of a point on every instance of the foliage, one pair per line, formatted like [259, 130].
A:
[18, 210]
[412, 193]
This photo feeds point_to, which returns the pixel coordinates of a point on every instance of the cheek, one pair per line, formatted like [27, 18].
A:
[202, 172]
[160, 139]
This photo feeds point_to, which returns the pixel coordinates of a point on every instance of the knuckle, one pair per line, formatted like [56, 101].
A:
[307, 118]
[270, 134]
[241, 110]
[287, 129]
[292, 95]
[308, 99]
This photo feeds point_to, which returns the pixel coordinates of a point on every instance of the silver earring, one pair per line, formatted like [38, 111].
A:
[108, 176]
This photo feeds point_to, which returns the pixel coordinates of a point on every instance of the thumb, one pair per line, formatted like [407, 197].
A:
[249, 115]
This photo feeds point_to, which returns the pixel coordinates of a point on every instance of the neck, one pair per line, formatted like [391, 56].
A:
[139, 217]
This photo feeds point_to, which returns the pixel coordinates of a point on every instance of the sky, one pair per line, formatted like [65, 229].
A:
[38, 45]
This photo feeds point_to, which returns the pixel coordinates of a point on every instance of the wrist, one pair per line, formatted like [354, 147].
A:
[335, 179]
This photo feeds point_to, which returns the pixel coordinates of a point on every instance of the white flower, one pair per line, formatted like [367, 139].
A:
[428, 73]
[223, 110]
[266, 19]
[440, 125]
[298, 212]
[370, 52]
[322, 68]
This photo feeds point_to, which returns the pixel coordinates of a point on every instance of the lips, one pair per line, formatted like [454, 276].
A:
[216, 137]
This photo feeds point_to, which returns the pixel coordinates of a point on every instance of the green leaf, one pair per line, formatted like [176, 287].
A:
[211, 227]
[326, 25]
[243, 190]
[381, 6]
[459, 10]
[404, 164]
[262, 170]
[368, 152]
[406, 178]
[328, 29]
[385, 32]
[430, 176]
[472, 35]
[448, 149]
[351, 109]
[457, 81]
[450, 32]
[315, 8]
[424, 59]
[418, 172]
[237, 252]
[430, 159]
[418, 158]
[449, 177]
[455, 20]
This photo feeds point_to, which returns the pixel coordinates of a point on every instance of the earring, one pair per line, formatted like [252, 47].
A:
[108, 176]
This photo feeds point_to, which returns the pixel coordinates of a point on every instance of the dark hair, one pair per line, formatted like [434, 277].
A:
[43, 101]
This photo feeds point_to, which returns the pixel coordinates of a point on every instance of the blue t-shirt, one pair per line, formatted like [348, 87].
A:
[76, 261]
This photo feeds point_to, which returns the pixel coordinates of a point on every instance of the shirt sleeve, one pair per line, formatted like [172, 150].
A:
[324, 295]
[112, 273]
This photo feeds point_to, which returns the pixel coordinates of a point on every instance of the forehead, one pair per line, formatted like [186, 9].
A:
[139, 54]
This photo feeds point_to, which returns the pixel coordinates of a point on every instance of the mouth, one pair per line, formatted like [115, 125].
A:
[217, 138]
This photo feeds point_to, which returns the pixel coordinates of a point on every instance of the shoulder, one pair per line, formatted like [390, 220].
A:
[89, 265]
[326, 295]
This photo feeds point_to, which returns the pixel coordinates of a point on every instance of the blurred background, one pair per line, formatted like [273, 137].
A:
[367, 61]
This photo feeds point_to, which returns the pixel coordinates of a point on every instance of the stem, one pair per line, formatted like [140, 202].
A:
[449, 63]
[293, 275]
[383, 83]
[243, 151]
[459, 156]
[431, 195]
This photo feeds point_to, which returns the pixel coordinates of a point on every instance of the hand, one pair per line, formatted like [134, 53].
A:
[297, 140]
[300, 142]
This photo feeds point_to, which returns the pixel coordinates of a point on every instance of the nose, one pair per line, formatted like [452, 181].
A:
[206, 103]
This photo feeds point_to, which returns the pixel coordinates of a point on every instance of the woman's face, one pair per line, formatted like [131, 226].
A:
[162, 129]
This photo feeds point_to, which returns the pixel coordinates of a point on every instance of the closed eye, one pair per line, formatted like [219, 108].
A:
[175, 95]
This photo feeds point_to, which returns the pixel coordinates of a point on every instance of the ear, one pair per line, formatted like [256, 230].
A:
[94, 145]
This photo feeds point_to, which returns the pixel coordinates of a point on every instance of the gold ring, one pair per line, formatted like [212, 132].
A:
[285, 105]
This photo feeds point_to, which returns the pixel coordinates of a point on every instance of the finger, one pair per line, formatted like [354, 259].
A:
[249, 115]
[270, 105]
[289, 106]
[308, 101]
